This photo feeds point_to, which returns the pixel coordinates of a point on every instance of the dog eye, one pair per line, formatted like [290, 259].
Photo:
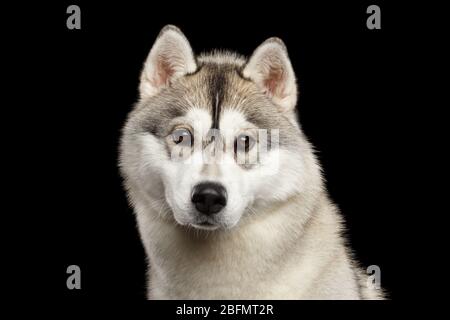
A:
[243, 143]
[182, 136]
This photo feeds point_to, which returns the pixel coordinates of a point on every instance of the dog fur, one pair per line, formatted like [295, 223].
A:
[280, 235]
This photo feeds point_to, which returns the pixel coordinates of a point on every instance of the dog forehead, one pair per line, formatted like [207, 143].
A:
[216, 96]
[231, 120]
[221, 90]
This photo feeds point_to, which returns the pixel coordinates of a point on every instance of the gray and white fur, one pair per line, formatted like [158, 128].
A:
[264, 235]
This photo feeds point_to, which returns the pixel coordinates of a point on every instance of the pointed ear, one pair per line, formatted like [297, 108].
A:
[270, 68]
[170, 58]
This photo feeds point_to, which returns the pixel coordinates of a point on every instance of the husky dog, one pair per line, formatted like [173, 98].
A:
[223, 228]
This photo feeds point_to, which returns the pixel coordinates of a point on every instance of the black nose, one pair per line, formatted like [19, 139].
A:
[209, 198]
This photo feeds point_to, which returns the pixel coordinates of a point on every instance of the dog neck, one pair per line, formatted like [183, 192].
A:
[223, 258]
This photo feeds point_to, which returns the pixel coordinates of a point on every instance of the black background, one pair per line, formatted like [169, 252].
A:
[84, 82]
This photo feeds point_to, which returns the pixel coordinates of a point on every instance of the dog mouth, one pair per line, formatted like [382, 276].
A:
[205, 225]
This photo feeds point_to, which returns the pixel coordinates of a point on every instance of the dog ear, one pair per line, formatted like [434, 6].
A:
[170, 58]
[270, 68]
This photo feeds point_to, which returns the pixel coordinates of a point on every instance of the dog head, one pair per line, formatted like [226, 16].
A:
[214, 136]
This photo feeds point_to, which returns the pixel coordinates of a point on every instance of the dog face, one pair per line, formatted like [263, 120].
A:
[213, 136]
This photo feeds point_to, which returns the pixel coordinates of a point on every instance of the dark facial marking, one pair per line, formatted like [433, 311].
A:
[217, 83]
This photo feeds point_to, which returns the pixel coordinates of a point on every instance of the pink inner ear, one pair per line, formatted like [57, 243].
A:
[274, 82]
[164, 72]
